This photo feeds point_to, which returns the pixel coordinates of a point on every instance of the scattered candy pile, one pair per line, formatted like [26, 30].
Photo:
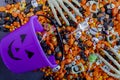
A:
[91, 47]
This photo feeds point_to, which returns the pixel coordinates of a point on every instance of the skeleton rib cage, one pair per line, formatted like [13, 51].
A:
[107, 67]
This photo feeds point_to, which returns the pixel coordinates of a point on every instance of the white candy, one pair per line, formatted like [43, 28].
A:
[66, 65]
[78, 35]
[34, 3]
[95, 40]
[63, 58]
[93, 31]
[118, 7]
[80, 66]
[56, 68]
[117, 37]
[77, 57]
[100, 26]
[110, 28]
[91, 3]
[64, 41]
[83, 26]
[73, 63]
[110, 6]
[100, 37]
[70, 65]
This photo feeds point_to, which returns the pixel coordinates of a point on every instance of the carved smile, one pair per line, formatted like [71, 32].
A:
[11, 53]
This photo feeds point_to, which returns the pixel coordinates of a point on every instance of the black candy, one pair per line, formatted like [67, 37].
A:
[79, 78]
[57, 49]
[94, 15]
[10, 1]
[109, 11]
[39, 37]
[111, 24]
[48, 78]
[3, 14]
[28, 1]
[38, 8]
[2, 21]
[118, 42]
[27, 9]
[82, 46]
[4, 29]
[83, 56]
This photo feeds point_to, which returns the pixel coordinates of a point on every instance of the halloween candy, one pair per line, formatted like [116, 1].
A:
[82, 35]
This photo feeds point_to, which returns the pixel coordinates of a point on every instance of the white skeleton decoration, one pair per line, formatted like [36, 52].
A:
[57, 3]
[78, 68]
[115, 34]
[107, 67]
[34, 3]
[83, 26]
[91, 3]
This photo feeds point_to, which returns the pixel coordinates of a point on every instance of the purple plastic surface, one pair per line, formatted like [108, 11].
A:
[21, 50]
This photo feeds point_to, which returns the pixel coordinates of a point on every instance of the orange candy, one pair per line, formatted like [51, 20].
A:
[14, 14]
[2, 9]
[8, 6]
[110, 78]
[67, 61]
[103, 9]
[66, 48]
[114, 11]
[89, 43]
[118, 17]
[51, 46]
[59, 54]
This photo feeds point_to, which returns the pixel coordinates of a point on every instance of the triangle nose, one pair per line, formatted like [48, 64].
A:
[17, 49]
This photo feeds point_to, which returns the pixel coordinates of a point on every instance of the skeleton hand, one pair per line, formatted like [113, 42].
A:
[57, 3]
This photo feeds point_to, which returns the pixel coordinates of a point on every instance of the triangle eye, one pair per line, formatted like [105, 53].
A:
[29, 54]
[23, 36]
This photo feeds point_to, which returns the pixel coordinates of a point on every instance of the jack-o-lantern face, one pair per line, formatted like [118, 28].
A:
[11, 54]
[21, 51]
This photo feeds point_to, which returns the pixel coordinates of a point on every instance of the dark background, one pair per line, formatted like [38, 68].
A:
[5, 74]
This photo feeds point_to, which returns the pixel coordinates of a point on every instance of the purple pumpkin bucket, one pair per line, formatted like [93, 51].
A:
[21, 50]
